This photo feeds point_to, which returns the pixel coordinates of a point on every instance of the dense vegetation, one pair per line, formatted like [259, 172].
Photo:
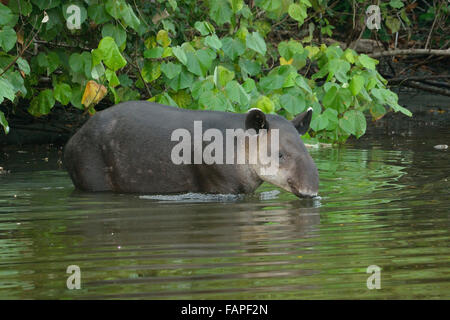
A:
[226, 55]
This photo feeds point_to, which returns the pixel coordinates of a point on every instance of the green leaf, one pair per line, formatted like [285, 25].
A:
[353, 122]
[385, 96]
[63, 93]
[180, 54]
[249, 85]
[46, 4]
[77, 94]
[220, 11]
[116, 32]
[4, 123]
[405, 18]
[297, 12]
[347, 122]
[154, 53]
[356, 84]
[367, 62]
[75, 62]
[182, 98]
[396, 4]
[204, 27]
[236, 93]
[125, 80]
[130, 18]
[112, 78]
[255, 42]
[42, 104]
[215, 100]
[42, 60]
[16, 81]
[21, 7]
[162, 38]
[97, 71]
[115, 8]
[199, 62]
[237, 5]
[173, 4]
[110, 54]
[265, 104]
[338, 68]
[23, 65]
[98, 13]
[377, 111]
[6, 15]
[232, 47]
[8, 38]
[288, 49]
[268, 5]
[127, 94]
[165, 99]
[350, 55]
[151, 71]
[86, 60]
[167, 52]
[170, 69]
[53, 62]
[293, 104]
[222, 76]
[301, 82]
[272, 82]
[393, 23]
[332, 116]
[200, 87]
[320, 122]
[213, 42]
[6, 90]
[360, 123]
[330, 96]
[183, 80]
[249, 67]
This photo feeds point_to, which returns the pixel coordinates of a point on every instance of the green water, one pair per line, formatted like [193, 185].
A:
[383, 201]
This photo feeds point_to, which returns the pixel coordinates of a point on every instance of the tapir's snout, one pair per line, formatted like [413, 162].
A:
[302, 192]
[306, 183]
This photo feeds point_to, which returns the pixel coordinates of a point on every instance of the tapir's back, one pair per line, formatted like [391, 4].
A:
[128, 148]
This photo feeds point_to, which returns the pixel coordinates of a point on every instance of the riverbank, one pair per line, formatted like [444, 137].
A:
[429, 110]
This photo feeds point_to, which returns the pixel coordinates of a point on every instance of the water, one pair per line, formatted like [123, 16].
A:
[383, 201]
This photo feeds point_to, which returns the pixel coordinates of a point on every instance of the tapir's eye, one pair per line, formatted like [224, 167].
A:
[281, 155]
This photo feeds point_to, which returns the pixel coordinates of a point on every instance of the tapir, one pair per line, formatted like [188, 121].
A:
[129, 148]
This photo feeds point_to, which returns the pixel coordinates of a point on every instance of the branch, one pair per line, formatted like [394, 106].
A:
[62, 45]
[435, 52]
[421, 86]
[415, 78]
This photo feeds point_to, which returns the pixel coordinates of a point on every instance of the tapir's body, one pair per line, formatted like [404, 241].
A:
[127, 148]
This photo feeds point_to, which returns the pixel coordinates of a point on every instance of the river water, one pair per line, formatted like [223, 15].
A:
[384, 201]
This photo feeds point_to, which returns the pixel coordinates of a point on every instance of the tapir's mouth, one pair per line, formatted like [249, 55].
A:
[301, 193]
[304, 194]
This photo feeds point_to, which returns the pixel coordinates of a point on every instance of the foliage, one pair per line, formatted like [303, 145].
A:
[212, 55]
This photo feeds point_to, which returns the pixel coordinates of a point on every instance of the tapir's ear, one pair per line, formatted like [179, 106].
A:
[301, 122]
[256, 119]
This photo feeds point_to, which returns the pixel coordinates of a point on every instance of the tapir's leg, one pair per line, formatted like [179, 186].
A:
[86, 166]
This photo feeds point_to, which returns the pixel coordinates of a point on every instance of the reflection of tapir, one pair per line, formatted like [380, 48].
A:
[129, 148]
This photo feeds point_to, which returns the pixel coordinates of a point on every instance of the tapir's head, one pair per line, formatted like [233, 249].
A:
[296, 171]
